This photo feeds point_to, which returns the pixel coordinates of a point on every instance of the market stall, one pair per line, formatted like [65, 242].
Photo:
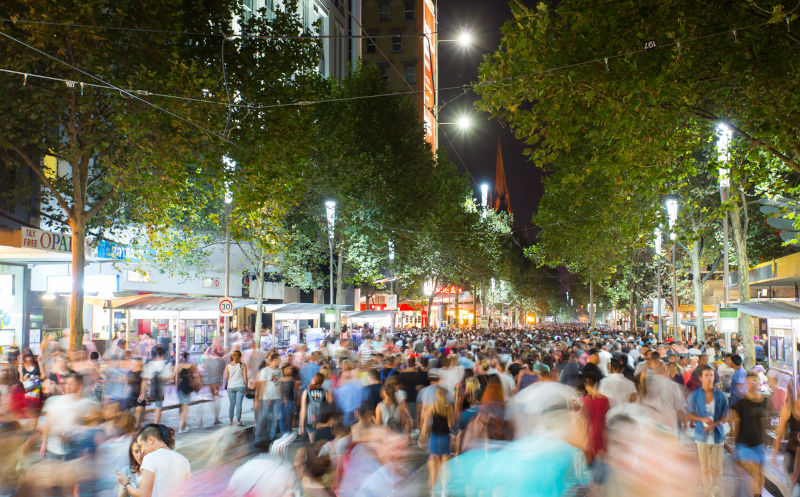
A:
[290, 319]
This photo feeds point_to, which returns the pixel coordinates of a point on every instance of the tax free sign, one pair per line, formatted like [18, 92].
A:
[45, 240]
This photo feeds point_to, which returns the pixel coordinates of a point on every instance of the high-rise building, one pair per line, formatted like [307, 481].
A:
[399, 36]
[339, 27]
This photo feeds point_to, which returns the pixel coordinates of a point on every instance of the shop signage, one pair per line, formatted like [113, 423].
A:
[728, 320]
[391, 302]
[45, 240]
[225, 306]
[330, 315]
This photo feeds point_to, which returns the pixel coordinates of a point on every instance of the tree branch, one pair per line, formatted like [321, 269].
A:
[103, 201]
[713, 268]
[45, 180]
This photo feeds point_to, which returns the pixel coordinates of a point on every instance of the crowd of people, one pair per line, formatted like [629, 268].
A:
[547, 411]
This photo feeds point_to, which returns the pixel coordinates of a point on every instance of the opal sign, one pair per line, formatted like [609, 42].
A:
[45, 240]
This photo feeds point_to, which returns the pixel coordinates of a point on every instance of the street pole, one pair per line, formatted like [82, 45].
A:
[676, 326]
[227, 269]
[591, 301]
[723, 141]
[330, 245]
[658, 289]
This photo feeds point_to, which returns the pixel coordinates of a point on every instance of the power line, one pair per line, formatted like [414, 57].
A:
[207, 35]
[130, 94]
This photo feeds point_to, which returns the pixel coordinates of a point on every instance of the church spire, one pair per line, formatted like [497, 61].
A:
[501, 200]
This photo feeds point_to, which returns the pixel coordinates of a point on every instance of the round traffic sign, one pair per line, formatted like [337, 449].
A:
[225, 306]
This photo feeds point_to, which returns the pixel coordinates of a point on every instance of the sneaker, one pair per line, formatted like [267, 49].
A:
[239, 423]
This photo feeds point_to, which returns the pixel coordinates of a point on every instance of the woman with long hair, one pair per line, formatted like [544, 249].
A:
[236, 382]
[312, 403]
[389, 413]
[437, 420]
[490, 422]
[467, 405]
[31, 377]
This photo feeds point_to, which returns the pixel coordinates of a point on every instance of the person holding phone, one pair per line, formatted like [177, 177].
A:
[162, 468]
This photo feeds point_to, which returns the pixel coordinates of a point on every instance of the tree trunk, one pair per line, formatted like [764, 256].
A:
[76, 301]
[697, 284]
[742, 267]
[458, 321]
[474, 306]
[262, 262]
[591, 302]
[633, 312]
[340, 297]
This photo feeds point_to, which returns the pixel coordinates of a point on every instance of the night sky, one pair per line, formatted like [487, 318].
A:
[477, 148]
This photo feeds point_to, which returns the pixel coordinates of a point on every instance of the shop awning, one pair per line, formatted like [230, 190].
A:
[772, 309]
[706, 322]
[168, 302]
[295, 308]
[370, 315]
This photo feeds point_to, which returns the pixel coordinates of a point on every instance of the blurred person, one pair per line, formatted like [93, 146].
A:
[708, 408]
[490, 424]
[268, 394]
[312, 466]
[288, 398]
[58, 374]
[309, 369]
[616, 387]
[664, 397]
[390, 413]
[235, 383]
[136, 398]
[265, 476]
[789, 428]
[186, 381]
[214, 357]
[595, 407]
[468, 404]
[750, 417]
[155, 375]
[225, 449]
[30, 375]
[162, 469]
[527, 375]
[313, 402]
[349, 395]
[437, 420]
[739, 387]
[62, 416]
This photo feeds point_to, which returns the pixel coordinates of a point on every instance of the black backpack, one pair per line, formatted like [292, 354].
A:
[185, 380]
[157, 390]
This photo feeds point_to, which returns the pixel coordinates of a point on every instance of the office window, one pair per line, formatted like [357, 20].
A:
[411, 72]
[410, 10]
[383, 11]
[370, 44]
[397, 43]
[384, 68]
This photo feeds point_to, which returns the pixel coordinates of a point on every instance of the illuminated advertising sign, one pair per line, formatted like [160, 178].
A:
[429, 56]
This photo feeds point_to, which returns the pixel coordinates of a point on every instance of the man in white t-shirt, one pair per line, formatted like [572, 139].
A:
[62, 416]
[616, 387]
[605, 358]
[162, 469]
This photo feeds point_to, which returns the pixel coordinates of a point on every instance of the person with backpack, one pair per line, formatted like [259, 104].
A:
[236, 382]
[156, 373]
[390, 413]
[314, 400]
[185, 378]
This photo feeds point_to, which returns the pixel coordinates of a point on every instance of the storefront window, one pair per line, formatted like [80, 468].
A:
[11, 296]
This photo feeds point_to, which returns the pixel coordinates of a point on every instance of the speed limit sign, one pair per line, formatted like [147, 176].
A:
[225, 306]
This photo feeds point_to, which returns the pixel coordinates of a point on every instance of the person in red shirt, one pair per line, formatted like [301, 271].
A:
[595, 407]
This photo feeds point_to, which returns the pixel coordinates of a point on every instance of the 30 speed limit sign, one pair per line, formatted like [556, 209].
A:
[225, 306]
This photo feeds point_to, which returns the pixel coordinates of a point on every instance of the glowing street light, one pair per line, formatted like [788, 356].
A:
[464, 123]
[465, 38]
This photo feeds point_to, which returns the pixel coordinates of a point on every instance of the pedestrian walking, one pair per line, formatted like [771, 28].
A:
[156, 373]
[750, 417]
[437, 421]
[235, 383]
[186, 380]
[268, 394]
[315, 399]
[708, 408]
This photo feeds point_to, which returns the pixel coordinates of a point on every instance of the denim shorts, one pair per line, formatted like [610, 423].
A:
[184, 398]
[439, 444]
[755, 454]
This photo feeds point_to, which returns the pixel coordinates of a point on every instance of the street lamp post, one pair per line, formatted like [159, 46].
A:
[484, 206]
[230, 165]
[391, 280]
[672, 213]
[330, 209]
[658, 282]
[723, 141]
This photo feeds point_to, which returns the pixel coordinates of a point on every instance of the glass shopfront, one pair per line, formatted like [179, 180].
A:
[11, 305]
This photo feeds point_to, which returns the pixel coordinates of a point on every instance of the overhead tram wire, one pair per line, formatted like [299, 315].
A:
[202, 34]
[467, 87]
[130, 94]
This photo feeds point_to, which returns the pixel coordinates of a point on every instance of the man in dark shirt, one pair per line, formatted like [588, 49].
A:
[591, 369]
[372, 397]
[413, 379]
